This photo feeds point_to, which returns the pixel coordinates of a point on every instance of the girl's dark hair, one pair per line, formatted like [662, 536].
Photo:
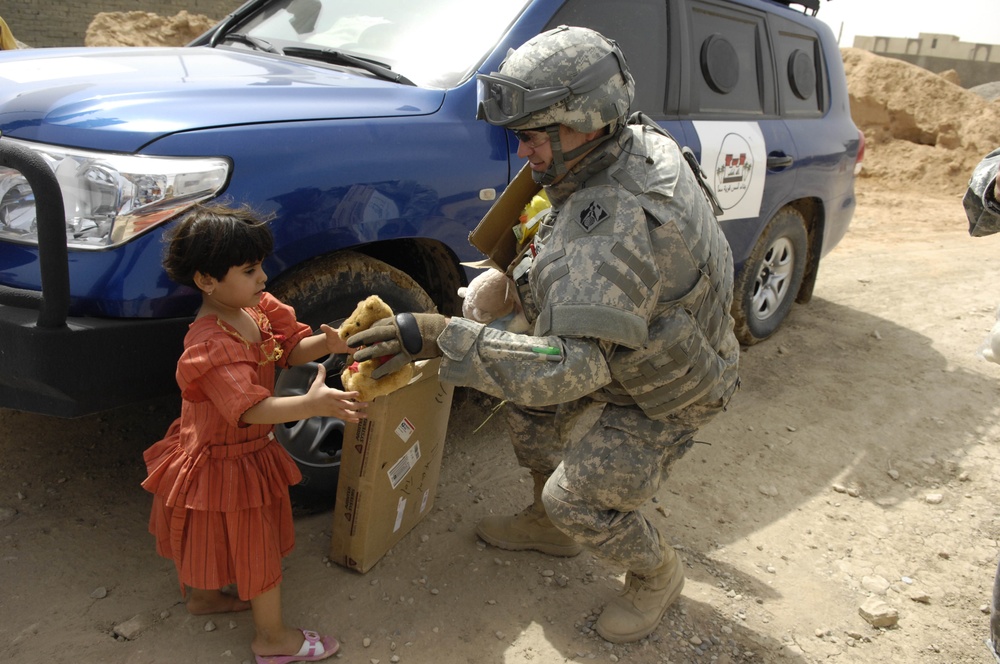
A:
[213, 238]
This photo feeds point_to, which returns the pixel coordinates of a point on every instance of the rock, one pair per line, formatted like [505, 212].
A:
[132, 627]
[877, 613]
[875, 584]
[210, 626]
[99, 593]
[934, 498]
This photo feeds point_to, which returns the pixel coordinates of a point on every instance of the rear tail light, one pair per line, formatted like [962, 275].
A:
[861, 152]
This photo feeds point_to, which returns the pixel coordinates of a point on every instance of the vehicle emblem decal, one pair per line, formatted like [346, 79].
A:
[734, 169]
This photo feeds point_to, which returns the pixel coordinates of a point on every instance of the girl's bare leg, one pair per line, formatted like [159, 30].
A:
[202, 602]
[273, 637]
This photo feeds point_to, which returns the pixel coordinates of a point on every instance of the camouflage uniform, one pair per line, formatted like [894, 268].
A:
[983, 210]
[981, 205]
[632, 349]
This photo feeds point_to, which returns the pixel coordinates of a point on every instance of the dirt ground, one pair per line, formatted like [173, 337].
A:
[858, 462]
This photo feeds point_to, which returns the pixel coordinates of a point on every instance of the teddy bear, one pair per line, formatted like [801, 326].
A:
[490, 298]
[356, 377]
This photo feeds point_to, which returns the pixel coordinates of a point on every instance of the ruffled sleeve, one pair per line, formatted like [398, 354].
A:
[287, 330]
[223, 371]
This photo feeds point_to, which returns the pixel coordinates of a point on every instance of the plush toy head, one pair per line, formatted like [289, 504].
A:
[491, 297]
[369, 311]
[357, 376]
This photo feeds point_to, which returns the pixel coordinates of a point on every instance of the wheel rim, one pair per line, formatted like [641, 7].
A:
[773, 278]
[316, 441]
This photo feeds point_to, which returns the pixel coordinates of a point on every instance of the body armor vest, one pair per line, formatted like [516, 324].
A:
[658, 295]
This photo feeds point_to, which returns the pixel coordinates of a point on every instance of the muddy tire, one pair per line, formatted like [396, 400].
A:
[767, 286]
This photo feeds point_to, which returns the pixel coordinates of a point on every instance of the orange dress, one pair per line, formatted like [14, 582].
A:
[221, 509]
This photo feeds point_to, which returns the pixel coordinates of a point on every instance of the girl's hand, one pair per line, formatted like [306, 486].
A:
[334, 343]
[329, 402]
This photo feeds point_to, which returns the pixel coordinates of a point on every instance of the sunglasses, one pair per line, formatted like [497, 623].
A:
[534, 138]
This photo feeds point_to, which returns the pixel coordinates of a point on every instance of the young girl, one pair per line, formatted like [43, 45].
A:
[221, 509]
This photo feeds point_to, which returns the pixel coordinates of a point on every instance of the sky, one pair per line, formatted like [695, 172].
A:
[969, 20]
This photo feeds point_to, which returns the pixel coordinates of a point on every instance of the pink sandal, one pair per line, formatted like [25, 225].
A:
[314, 648]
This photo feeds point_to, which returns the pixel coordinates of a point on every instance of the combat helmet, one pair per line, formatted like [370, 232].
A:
[568, 75]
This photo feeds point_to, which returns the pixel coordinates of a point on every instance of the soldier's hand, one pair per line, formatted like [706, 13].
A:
[404, 337]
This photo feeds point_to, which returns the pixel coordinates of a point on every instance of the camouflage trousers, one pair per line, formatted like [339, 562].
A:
[604, 462]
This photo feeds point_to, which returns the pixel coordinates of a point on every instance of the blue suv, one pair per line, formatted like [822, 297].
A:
[354, 125]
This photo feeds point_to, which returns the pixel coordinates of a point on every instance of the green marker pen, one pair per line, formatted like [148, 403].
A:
[546, 350]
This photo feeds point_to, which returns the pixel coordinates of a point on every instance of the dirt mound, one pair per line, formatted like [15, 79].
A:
[921, 129]
[145, 29]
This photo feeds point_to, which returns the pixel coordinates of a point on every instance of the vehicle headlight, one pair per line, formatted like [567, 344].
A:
[109, 198]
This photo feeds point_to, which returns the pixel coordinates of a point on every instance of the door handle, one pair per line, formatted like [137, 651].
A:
[777, 161]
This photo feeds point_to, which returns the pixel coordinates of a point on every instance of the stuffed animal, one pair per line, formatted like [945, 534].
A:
[357, 376]
[531, 217]
[491, 299]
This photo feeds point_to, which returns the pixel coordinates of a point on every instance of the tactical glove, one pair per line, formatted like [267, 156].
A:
[404, 338]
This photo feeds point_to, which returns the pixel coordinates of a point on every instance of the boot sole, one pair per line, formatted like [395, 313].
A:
[644, 632]
[561, 551]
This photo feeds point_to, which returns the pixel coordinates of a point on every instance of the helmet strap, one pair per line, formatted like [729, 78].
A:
[558, 169]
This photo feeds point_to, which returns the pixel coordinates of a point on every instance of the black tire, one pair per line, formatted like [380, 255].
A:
[766, 287]
[327, 290]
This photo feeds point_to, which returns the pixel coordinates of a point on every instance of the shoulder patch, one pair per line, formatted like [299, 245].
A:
[592, 215]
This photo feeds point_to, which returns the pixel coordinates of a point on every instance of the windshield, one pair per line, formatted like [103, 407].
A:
[434, 43]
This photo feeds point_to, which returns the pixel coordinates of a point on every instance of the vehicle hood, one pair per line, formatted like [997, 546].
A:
[120, 99]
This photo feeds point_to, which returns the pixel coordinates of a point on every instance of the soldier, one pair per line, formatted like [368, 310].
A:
[628, 287]
[982, 207]
[982, 198]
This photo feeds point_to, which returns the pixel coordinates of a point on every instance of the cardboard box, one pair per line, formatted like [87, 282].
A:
[389, 469]
[494, 235]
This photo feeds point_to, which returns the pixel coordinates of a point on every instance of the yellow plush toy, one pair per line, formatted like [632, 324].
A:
[357, 376]
[530, 217]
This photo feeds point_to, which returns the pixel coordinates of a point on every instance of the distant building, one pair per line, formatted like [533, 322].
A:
[975, 63]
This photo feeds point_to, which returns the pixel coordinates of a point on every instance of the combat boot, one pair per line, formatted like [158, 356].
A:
[530, 529]
[638, 610]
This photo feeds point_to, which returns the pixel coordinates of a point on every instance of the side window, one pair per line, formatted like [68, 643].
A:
[799, 60]
[730, 62]
[640, 28]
